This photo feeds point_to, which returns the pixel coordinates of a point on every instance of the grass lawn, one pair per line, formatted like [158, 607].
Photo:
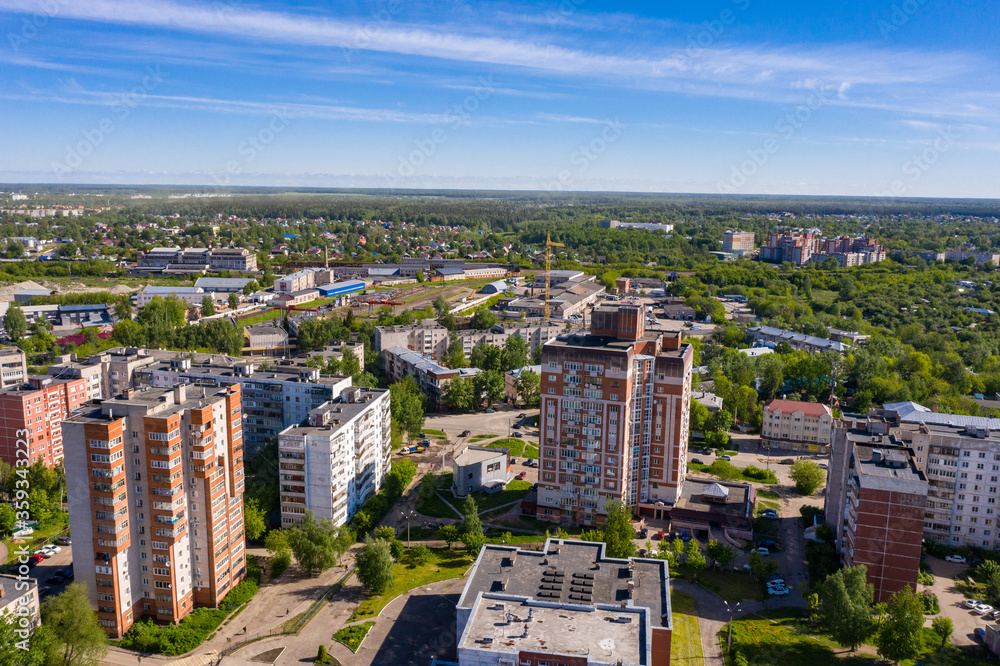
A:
[518, 447]
[514, 491]
[731, 585]
[481, 438]
[436, 434]
[268, 315]
[353, 635]
[444, 564]
[764, 504]
[767, 494]
[35, 541]
[435, 507]
[705, 469]
[685, 642]
[763, 642]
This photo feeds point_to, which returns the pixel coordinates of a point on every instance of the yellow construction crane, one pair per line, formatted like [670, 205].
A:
[548, 269]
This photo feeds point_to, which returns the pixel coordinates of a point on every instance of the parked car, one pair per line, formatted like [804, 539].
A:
[56, 579]
[53, 548]
[983, 609]
[972, 603]
[425, 442]
[788, 461]
[491, 411]
[764, 551]
[725, 457]
[32, 563]
[980, 634]
[774, 580]
[958, 559]
[643, 533]
[521, 416]
[824, 465]
[518, 434]
[465, 433]
[67, 573]
[520, 477]
[697, 461]
[685, 536]
[513, 461]
[768, 543]
[44, 591]
[658, 535]
[778, 591]
[64, 541]
[768, 513]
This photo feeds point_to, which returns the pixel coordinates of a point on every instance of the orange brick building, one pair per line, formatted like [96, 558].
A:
[31, 418]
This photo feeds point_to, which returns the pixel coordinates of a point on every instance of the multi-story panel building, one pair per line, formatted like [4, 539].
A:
[881, 514]
[19, 601]
[337, 459]
[13, 367]
[429, 338]
[567, 604]
[272, 399]
[614, 417]
[197, 259]
[431, 377]
[30, 418]
[155, 484]
[797, 426]
[737, 242]
[105, 374]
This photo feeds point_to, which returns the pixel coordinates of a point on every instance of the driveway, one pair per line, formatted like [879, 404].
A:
[951, 600]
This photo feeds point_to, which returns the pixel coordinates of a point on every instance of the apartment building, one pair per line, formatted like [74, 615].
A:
[428, 338]
[105, 374]
[607, 223]
[567, 604]
[614, 417]
[800, 247]
[737, 242]
[19, 601]
[30, 418]
[307, 278]
[337, 458]
[192, 296]
[13, 367]
[196, 259]
[875, 503]
[796, 426]
[430, 376]
[155, 484]
[272, 399]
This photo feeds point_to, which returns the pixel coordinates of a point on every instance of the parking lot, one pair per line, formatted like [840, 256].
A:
[46, 572]
[953, 601]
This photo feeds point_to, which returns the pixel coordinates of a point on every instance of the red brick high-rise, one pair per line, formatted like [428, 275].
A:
[614, 417]
[31, 418]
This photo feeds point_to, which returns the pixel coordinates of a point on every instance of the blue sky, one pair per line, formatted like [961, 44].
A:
[893, 97]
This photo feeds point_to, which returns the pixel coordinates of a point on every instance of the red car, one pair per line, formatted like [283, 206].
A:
[520, 477]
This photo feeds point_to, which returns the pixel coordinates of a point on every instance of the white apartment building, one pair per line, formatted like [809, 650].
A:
[797, 426]
[155, 485]
[427, 338]
[13, 367]
[336, 460]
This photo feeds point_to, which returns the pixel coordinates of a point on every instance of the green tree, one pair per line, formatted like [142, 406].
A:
[276, 543]
[207, 306]
[129, 333]
[459, 394]
[699, 416]
[470, 514]
[8, 519]
[898, 637]
[250, 287]
[483, 319]
[77, 635]
[421, 554]
[375, 566]
[441, 306]
[515, 353]
[349, 364]
[455, 356]
[847, 606]
[618, 532]
[695, 558]
[312, 543]
[254, 521]
[486, 357]
[234, 301]
[406, 406]
[721, 420]
[807, 475]
[14, 322]
[529, 388]
[722, 554]
[18, 651]
[449, 534]
[943, 627]
[762, 567]
[489, 385]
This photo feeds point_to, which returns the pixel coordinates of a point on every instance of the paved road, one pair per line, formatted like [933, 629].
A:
[951, 600]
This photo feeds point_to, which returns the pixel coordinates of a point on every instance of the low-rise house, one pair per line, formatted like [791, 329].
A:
[480, 468]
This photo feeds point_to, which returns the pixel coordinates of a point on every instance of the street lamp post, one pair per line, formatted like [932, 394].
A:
[407, 515]
[729, 637]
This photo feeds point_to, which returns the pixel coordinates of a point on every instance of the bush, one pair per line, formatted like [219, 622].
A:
[925, 578]
[420, 554]
[808, 512]
[821, 559]
[930, 601]
[397, 548]
[322, 656]
[757, 474]
[279, 563]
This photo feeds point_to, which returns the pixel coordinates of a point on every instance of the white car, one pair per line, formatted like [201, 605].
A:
[983, 609]
[778, 591]
[764, 551]
[972, 603]
[52, 548]
[776, 581]
[957, 559]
